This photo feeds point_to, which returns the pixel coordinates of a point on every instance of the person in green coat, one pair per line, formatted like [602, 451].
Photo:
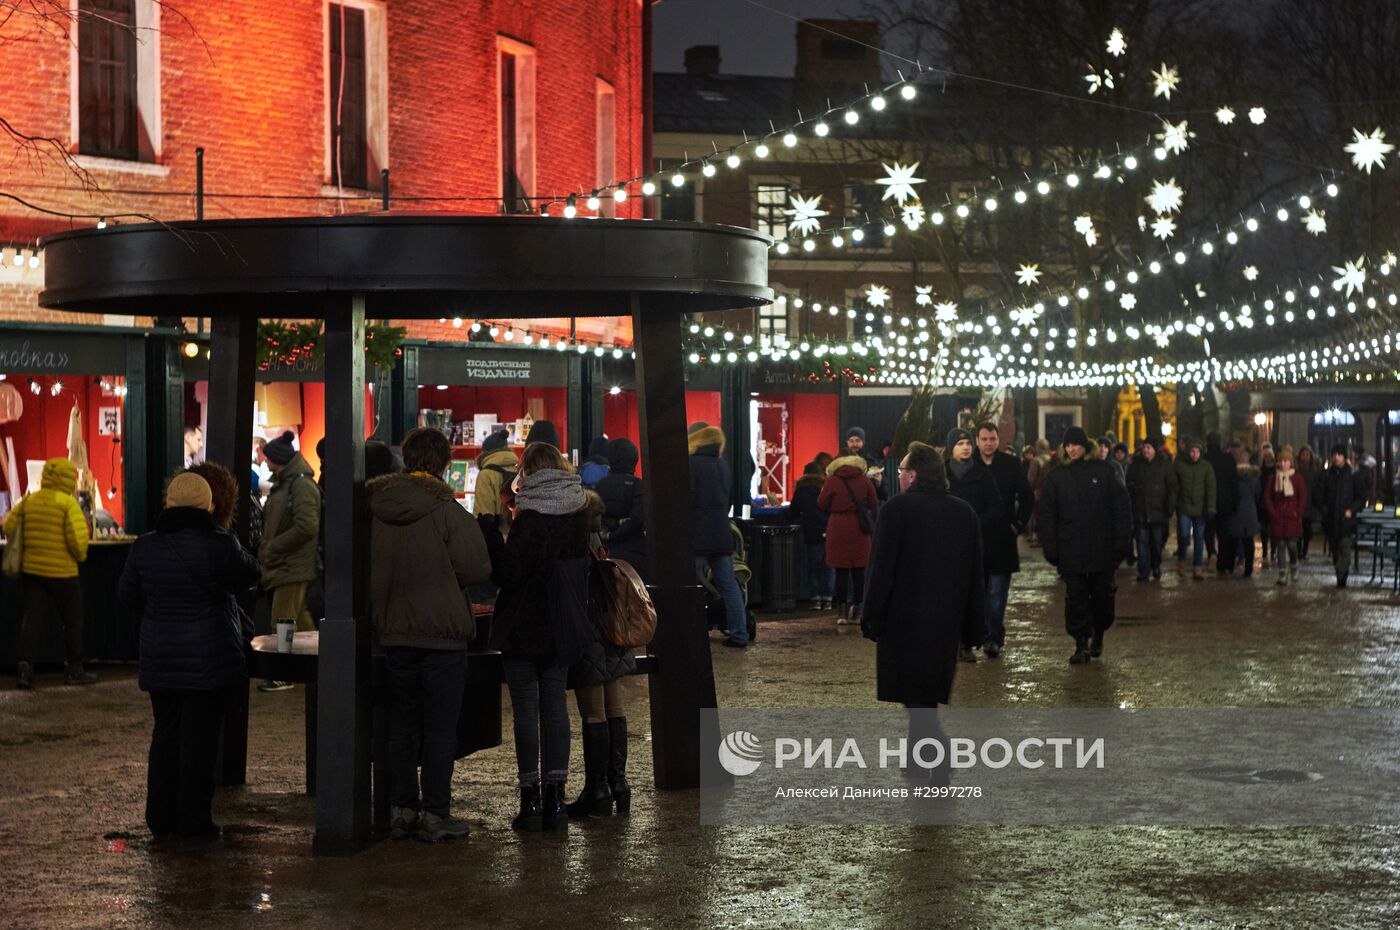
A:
[1195, 504]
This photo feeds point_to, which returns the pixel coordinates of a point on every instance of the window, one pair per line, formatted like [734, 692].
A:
[516, 76]
[116, 59]
[356, 105]
[773, 322]
[677, 203]
[770, 202]
[864, 211]
[606, 105]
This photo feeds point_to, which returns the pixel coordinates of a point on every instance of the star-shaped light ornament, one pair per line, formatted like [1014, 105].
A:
[1389, 259]
[1225, 116]
[877, 296]
[1315, 222]
[1251, 272]
[1174, 137]
[899, 182]
[1351, 276]
[1368, 150]
[1027, 275]
[1025, 316]
[1257, 115]
[1165, 197]
[1163, 338]
[1099, 81]
[913, 214]
[923, 295]
[1128, 301]
[1084, 225]
[1164, 227]
[806, 213]
[1116, 44]
[945, 312]
[1164, 81]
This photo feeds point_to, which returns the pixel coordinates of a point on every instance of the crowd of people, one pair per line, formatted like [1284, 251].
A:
[921, 558]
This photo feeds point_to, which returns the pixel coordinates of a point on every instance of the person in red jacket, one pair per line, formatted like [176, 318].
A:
[1286, 498]
[847, 544]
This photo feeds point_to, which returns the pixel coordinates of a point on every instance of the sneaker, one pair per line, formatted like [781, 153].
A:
[270, 685]
[1081, 651]
[826, 603]
[25, 677]
[77, 676]
[433, 828]
[404, 823]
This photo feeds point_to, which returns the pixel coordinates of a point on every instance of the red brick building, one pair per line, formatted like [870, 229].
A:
[299, 107]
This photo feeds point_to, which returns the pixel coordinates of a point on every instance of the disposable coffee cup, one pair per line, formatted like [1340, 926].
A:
[285, 630]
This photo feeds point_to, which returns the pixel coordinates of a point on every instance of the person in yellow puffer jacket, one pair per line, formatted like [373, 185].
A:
[55, 539]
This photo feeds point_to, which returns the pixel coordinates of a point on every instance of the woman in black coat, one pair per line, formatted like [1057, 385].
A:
[924, 599]
[540, 625]
[182, 579]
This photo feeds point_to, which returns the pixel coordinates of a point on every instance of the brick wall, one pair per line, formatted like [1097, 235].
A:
[246, 80]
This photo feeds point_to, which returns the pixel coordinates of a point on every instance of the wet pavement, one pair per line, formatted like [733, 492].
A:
[77, 854]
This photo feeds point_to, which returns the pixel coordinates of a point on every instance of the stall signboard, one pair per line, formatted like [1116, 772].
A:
[301, 370]
[39, 352]
[493, 368]
[771, 381]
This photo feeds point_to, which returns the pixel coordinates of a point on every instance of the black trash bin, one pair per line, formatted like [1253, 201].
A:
[780, 564]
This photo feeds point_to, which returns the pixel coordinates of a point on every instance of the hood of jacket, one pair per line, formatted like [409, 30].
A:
[1247, 470]
[59, 475]
[623, 455]
[705, 437]
[403, 499]
[296, 465]
[502, 457]
[849, 461]
[175, 519]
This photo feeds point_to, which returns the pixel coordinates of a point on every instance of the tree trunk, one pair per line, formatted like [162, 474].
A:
[1151, 412]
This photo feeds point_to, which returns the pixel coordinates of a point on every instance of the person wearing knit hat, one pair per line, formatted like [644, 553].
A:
[1340, 496]
[189, 490]
[955, 436]
[855, 445]
[280, 451]
[696, 427]
[182, 580]
[1086, 521]
[971, 481]
[544, 431]
[496, 468]
[291, 534]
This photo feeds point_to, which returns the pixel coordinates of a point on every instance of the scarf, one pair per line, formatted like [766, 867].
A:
[1283, 481]
[959, 468]
[550, 491]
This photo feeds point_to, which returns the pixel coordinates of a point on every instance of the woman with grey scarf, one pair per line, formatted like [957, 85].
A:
[541, 623]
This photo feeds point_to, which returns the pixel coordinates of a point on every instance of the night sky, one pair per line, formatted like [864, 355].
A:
[752, 40]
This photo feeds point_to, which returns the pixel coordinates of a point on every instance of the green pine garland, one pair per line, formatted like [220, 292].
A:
[288, 343]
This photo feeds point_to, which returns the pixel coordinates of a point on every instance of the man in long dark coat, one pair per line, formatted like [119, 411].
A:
[1002, 555]
[924, 590]
[1086, 519]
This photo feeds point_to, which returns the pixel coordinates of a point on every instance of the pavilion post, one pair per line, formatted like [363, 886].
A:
[232, 359]
[684, 682]
[343, 724]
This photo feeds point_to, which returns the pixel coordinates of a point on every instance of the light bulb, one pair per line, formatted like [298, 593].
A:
[789, 139]
[570, 211]
[620, 194]
[678, 180]
[648, 188]
[991, 204]
[761, 151]
[877, 103]
[889, 229]
[1130, 162]
[1072, 180]
[1020, 196]
[708, 170]
[907, 92]
[852, 117]
[457, 322]
[808, 245]
[1043, 188]
[593, 203]
[821, 129]
[962, 210]
[732, 161]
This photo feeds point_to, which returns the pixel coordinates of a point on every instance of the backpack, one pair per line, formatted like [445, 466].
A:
[621, 605]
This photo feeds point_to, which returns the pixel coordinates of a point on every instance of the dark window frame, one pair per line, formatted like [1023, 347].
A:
[109, 120]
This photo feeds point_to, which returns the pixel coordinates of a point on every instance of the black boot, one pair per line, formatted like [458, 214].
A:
[556, 815]
[617, 764]
[531, 818]
[1096, 645]
[1081, 651]
[596, 799]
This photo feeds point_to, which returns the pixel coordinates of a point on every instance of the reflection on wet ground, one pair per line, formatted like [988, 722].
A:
[73, 780]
